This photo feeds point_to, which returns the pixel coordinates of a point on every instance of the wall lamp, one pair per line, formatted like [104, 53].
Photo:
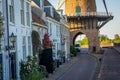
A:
[12, 39]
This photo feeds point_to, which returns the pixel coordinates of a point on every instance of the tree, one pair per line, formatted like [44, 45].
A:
[104, 39]
[84, 41]
[116, 38]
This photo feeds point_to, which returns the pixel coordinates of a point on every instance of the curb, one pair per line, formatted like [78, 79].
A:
[115, 48]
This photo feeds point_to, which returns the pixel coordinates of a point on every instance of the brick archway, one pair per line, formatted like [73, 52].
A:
[88, 21]
[93, 39]
[74, 34]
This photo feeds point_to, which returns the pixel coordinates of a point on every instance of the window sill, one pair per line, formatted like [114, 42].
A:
[12, 24]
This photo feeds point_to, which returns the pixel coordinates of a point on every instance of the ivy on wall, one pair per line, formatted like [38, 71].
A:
[1, 22]
[1, 19]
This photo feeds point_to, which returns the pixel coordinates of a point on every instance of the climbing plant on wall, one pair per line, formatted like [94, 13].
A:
[1, 23]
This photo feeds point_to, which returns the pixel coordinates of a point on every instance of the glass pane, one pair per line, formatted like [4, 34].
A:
[78, 9]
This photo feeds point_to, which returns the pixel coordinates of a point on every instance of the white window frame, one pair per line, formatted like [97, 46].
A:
[28, 13]
[24, 48]
[50, 28]
[22, 12]
[57, 30]
[11, 12]
[29, 45]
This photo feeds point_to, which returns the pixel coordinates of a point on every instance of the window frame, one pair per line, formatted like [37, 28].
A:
[24, 47]
[22, 12]
[29, 45]
[78, 10]
[28, 14]
[11, 12]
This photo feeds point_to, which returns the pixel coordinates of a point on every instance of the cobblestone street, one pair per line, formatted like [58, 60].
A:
[110, 67]
[81, 67]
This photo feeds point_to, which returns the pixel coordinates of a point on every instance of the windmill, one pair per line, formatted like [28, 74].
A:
[60, 4]
[105, 6]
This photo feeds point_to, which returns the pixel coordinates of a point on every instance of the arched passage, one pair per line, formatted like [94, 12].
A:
[92, 35]
[74, 38]
[36, 43]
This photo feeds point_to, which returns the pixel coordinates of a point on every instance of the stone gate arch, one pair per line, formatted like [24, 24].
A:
[74, 35]
[93, 40]
[89, 21]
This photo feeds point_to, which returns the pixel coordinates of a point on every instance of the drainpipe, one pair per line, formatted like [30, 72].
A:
[7, 23]
[61, 33]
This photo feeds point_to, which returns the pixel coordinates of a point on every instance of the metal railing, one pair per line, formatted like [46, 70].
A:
[90, 14]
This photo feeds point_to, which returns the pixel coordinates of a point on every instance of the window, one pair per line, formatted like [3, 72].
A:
[29, 45]
[50, 28]
[11, 10]
[24, 47]
[41, 3]
[88, 9]
[0, 5]
[57, 30]
[49, 10]
[78, 10]
[28, 13]
[22, 13]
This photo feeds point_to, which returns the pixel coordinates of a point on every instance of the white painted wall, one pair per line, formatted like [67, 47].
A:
[19, 31]
[41, 31]
[66, 38]
[56, 39]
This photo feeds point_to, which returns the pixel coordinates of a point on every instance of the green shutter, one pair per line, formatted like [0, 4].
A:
[78, 10]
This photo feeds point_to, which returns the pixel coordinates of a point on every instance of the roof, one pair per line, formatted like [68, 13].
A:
[37, 20]
[37, 14]
[56, 16]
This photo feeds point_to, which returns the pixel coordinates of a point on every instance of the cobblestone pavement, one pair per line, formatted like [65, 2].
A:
[85, 63]
[117, 49]
[62, 69]
[83, 69]
[110, 66]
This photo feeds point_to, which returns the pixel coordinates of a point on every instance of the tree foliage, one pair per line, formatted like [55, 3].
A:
[1, 18]
[104, 39]
[116, 38]
[84, 41]
[73, 51]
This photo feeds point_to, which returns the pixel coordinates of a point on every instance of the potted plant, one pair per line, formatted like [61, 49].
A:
[62, 55]
[47, 43]
[30, 70]
[46, 56]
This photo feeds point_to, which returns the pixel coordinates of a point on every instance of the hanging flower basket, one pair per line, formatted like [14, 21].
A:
[47, 43]
[46, 56]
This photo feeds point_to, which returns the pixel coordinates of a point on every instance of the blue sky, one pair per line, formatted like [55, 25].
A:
[113, 26]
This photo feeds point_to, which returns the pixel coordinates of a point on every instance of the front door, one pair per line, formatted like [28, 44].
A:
[13, 66]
